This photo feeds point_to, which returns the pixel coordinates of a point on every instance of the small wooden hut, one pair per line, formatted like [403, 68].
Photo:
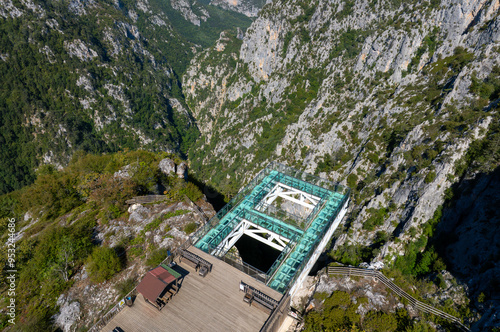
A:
[159, 285]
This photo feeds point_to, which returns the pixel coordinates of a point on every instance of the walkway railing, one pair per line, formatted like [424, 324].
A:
[275, 320]
[358, 272]
[282, 215]
[101, 323]
[239, 264]
[196, 208]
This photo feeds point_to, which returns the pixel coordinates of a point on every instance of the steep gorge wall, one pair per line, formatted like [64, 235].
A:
[382, 96]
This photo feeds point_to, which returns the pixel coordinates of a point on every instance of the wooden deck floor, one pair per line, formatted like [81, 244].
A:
[213, 303]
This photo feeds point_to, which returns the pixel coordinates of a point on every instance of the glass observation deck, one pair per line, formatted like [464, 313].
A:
[253, 204]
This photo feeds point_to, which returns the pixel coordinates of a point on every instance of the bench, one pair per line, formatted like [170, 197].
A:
[173, 289]
[156, 305]
[161, 303]
[196, 262]
[257, 298]
[248, 298]
[194, 265]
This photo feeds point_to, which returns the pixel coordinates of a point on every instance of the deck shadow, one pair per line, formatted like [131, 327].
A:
[182, 271]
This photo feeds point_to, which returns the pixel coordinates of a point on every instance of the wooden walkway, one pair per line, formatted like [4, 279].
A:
[213, 303]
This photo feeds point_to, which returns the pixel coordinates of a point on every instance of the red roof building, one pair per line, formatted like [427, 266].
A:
[154, 284]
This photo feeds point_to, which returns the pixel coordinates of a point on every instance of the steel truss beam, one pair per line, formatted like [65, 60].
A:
[256, 232]
[286, 192]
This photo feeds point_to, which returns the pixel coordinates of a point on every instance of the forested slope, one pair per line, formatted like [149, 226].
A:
[79, 247]
[97, 76]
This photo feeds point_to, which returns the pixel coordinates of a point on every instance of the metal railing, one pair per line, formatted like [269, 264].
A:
[290, 246]
[359, 272]
[310, 178]
[239, 264]
[315, 212]
[147, 199]
[196, 208]
[274, 321]
[104, 320]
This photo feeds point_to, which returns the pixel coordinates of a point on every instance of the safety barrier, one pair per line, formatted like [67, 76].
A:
[359, 272]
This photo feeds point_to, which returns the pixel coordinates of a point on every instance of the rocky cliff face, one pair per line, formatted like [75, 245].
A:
[469, 237]
[249, 8]
[377, 109]
[385, 97]
[188, 9]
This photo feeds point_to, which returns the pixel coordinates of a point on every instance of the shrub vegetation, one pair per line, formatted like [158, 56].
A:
[102, 264]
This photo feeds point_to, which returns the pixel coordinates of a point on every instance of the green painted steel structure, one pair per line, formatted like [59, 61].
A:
[304, 234]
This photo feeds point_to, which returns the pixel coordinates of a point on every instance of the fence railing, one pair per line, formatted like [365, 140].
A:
[290, 246]
[282, 215]
[196, 208]
[274, 321]
[310, 178]
[146, 199]
[101, 323]
[359, 272]
[239, 264]
[315, 212]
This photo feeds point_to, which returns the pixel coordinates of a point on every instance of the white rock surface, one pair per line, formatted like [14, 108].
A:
[167, 166]
[79, 49]
[68, 315]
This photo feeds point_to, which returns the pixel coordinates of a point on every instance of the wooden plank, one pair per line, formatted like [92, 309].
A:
[213, 303]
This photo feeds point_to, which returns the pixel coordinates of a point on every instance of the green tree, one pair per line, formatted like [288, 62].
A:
[352, 179]
[190, 228]
[65, 258]
[376, 321]
[102, 264]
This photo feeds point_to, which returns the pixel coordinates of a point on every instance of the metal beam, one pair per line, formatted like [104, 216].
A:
[284, 191]
[256, 232]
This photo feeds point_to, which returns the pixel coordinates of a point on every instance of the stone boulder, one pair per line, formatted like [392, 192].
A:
[167, 166]
[123, 173]
[138, 213]
[182, 170]
[68, 315]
